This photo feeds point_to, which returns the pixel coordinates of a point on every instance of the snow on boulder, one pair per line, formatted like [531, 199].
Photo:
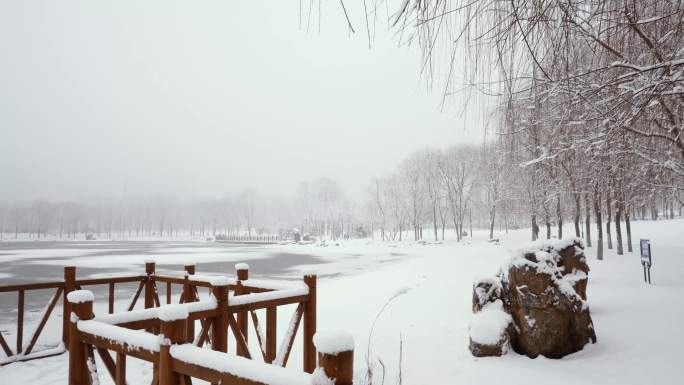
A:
[333, 342]
[543, 289]
[172, 312]
[485, 290]
[80, 296]
[489, 327]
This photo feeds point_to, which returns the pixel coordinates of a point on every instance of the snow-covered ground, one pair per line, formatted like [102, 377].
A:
[638, 326]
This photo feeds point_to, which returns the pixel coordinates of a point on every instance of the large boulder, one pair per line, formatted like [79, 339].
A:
[543, 289]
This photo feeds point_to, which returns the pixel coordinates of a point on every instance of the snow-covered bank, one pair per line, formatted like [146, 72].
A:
[638, 326]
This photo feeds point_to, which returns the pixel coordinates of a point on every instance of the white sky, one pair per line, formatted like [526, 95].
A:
[197, 98]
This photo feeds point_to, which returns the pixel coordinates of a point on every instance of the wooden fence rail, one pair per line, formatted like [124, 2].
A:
[181, 357]
[248, 296]
[175, 361]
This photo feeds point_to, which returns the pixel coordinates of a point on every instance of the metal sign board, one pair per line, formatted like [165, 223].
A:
[646, 252]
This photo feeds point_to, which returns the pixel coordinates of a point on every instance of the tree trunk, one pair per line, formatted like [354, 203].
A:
[587, 222]
[577, 214]
[618, 230]
[618, 215]
[599, 224]
[629, 231]
[434, 220]
[535, 228]
[608, 216]
[560, 217]
[548, 227]
[492, 217]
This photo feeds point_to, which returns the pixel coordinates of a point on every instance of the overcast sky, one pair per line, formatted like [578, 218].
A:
[197, 98]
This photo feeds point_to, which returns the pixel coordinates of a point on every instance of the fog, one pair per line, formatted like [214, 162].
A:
[118, 99]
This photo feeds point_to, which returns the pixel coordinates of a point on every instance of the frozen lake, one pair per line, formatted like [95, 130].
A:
[39, 261]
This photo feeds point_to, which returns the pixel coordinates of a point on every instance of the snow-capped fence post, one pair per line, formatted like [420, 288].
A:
[219, 328]
[310, 324]
[336, 356]
[172, 325]
[149, 284]
[150, 268]
[188, 296]
[242, 271]
[69, 286]
[81, 306]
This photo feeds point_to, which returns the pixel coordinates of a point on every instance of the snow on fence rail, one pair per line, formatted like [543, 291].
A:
[176, 361]
[231, 301]
[178, 355]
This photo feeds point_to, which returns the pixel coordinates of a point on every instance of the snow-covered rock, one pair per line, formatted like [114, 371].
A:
[543, 288]
[488, 330]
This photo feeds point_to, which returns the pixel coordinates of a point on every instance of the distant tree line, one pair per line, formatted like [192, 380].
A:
[431, 192]
[490, 186]
[319, 207]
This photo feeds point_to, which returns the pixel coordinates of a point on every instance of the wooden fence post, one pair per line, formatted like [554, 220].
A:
[173, 329]
[219, 327]
[242, 270]
[189, 296]
[81, 302]
[271, 333]
[189, 268]
[20, 321]
[150, 268]
[338, 367]
[336, 360]
[310, 324]
[120, 370]
[69, 286]
[149, 284]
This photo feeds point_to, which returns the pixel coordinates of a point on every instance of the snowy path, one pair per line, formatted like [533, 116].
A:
[638, 327]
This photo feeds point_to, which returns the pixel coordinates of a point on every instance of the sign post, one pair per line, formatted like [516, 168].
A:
[646, 259]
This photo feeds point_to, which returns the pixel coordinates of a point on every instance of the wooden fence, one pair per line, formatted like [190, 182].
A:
[262, 239]
[248, 295]
[176, 361]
